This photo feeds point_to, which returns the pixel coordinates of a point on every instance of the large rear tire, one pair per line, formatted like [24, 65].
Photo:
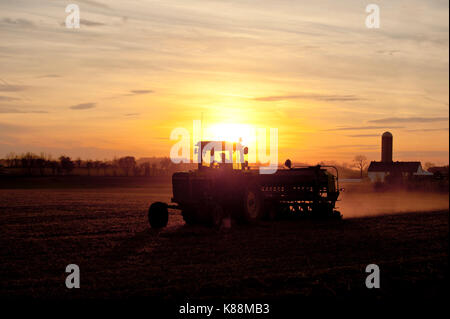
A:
[253, 204]
[158, 215]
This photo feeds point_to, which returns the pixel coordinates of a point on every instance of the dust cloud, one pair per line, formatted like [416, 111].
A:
[361, 204]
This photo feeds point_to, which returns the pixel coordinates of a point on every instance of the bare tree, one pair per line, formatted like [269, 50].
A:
[66, 163]
[54, 165]
[104, 165]
[97, 166]
[146, 168]
[165, 164]
[127, 163]
[154, 169]
[28, 161]
[11, 160]
[137, 170]
[78, 162]
[41, 164]
[89, 166]
[360, 162]
[115, 166]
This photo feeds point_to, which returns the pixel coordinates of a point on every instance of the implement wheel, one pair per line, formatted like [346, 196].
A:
[158, 215]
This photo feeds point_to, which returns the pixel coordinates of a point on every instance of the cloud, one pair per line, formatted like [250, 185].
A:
[11, 88]
[418, 38]
[83, 106]
[409, 120]
[17, 22]
[138, 92]
[90, 23]
[17, 111]
[388, 52]
[7, 127]
[317, 97]
[94, 3]
[364, 135]
[85, 22]
[423, 153]
[360, 146]
[141, 91]
[8, 98]
[132, 114]
[429, 129]
[132, 93]
[48, 76]
[367, 127]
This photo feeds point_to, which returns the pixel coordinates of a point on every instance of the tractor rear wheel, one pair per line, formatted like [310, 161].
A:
[253, 204]
[158, 215]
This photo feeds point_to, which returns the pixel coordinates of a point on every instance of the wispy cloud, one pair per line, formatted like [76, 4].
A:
[388, 52]
[409, 120]
[138, 92]
[16, 22]
[91, 23]
[83, 106]
[360, 146]
[94, 3]
[133, 93]
[317, 97]
[429, 130]
[85, 22]
[8, 98]
[364, 135]
[18, 111]
[48, 76]
[11, 88]
[367, 127]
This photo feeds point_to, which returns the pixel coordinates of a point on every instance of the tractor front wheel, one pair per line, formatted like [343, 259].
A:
[158, 215]
[253, 204]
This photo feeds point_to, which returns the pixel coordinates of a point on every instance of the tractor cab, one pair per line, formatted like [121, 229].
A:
[220, 154]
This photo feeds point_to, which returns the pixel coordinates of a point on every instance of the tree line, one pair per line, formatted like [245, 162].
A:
[43, 164]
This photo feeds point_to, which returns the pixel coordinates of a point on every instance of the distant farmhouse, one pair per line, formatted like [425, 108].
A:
[388, 169]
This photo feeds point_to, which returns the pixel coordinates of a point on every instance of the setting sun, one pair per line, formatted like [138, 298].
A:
[231, 132]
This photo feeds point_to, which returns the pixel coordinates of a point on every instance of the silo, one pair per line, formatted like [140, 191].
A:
[386, 147]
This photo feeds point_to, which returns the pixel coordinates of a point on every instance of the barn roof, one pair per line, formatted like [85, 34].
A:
[407, 167]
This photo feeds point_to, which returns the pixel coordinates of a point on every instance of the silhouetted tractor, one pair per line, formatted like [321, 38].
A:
[223, 187]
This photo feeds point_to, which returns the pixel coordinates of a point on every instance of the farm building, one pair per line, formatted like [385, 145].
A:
[379, 171]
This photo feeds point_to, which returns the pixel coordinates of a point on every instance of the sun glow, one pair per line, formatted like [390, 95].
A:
[231, 132]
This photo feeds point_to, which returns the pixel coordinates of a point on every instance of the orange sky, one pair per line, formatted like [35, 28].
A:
[135, 70]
